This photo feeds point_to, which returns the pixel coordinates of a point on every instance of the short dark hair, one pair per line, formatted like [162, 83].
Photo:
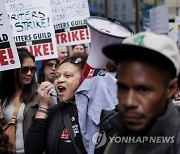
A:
[73, 46]
[79, 59]
[24, 53]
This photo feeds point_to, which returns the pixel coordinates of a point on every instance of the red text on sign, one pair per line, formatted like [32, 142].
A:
[41, 49]
[72, 36]
[6, 57]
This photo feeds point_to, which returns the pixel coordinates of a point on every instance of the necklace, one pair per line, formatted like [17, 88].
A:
[73, 117]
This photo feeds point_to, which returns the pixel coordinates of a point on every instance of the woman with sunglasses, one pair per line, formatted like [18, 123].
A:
[56, 129]
[19, 91]
[48, 70]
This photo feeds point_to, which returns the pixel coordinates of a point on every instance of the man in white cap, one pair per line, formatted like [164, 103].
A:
[147, 121]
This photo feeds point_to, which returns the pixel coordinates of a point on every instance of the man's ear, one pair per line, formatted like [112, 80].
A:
[172, 87]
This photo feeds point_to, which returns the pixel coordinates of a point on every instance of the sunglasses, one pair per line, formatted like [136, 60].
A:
[26, 69]
[51, 65]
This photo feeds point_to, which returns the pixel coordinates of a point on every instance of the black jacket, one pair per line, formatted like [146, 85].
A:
[44, 133]
[167, 125]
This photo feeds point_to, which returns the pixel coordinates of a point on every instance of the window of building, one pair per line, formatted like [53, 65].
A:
[123, 6]
[115, 7]
[123, 17]
[115, 16]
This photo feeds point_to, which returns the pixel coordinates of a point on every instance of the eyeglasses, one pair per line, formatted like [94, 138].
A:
[26, 69]
[51, 65]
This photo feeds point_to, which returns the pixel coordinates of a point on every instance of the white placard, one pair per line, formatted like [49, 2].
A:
[69, 21]
[32, 25]
[159, 22]
[177, 20]
[173, 32]
[9, 58]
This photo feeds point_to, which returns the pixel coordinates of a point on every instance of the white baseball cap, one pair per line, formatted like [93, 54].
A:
[155, 47]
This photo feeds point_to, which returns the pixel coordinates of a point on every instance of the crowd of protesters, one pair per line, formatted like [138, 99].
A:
[145, 70]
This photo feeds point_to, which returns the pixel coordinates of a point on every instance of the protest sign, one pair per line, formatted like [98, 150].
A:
[173, 32]
[69, 21]
[159, 21]
[32, 26]
[177, 20]
[8, 53]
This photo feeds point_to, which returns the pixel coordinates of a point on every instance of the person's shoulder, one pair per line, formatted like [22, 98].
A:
[34, 103]
[178, 108]
[106, 116]
[55, 108]
[176, 145]
[106, 129]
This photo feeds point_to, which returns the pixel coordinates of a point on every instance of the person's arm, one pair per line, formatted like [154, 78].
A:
[44, 100]
[36, 137]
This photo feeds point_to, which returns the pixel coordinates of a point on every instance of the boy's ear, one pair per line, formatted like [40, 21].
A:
[172, 87]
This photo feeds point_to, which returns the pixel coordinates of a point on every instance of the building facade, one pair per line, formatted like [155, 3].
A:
[174, 8]
[125, 10]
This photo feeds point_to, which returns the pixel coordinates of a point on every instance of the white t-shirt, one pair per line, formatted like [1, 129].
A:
[8, 113]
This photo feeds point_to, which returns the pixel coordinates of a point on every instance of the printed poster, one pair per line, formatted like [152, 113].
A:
[177, 20]
[32, 26]
[9, 58]
[173, 32]
[159, 20]
[69, 21]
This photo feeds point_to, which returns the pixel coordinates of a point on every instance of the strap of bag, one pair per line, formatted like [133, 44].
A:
[1, 114]
[68, 125]
[14, 117]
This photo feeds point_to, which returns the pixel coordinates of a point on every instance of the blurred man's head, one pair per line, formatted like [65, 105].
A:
[148, 65]
[62, 52]
[78, 48]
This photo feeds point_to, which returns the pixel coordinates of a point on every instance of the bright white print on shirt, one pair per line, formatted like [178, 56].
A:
[75, 129]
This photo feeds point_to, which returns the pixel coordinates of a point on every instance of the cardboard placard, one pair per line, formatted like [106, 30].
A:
[8, 53]
[32, 26]
[69, 21]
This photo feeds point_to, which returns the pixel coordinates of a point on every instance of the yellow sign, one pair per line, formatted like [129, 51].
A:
[151, 2]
